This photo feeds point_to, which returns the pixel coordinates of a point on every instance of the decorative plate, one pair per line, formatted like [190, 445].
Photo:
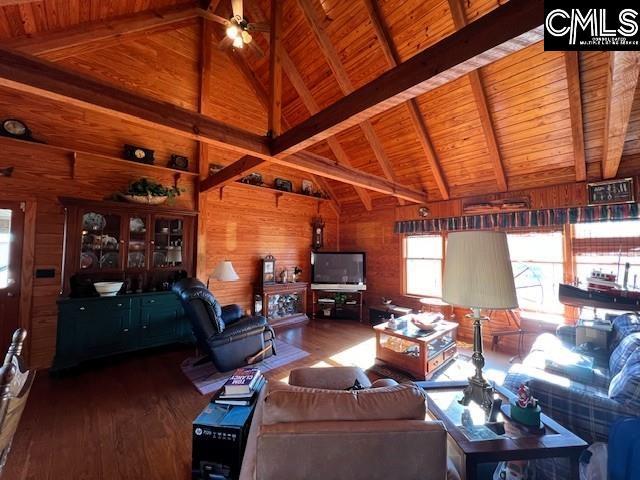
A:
[136, 225]
[93, 221]
[88, 260]
[109, 260]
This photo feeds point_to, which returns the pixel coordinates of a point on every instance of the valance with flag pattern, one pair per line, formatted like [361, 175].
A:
[523, 219]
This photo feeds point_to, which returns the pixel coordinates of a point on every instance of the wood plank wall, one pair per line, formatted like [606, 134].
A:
[372, 232]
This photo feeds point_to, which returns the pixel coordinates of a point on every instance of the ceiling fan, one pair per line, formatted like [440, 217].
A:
[238, 29]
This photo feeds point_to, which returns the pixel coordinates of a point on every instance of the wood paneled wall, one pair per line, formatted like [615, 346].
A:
[245, 225]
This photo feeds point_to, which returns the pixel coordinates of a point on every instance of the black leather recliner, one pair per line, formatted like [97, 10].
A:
[226, 335]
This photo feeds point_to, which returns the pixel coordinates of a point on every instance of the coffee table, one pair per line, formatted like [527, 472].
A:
[472, 443]
[414, 351]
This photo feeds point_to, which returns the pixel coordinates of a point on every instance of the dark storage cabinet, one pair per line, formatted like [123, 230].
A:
[91, 328]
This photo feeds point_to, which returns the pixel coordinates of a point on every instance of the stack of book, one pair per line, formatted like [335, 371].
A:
[242, 388]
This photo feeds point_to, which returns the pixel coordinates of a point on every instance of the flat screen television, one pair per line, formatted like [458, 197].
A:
[338, 270]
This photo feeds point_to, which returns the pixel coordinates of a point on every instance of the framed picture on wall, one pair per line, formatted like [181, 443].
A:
[268, 270]
[610, 192]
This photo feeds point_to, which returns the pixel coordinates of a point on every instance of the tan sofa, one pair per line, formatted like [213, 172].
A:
[301, 431]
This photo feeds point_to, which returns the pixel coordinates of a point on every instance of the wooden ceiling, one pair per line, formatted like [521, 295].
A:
[529, 119]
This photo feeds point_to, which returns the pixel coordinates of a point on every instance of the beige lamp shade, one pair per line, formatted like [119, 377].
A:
[225, 272]
[477, 271]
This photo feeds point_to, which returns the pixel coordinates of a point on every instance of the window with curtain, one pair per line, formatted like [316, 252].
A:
[537, 262]
[608, 246]
[423, 265]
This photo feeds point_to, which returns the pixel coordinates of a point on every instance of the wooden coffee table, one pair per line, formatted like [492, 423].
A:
[476, 444]
[414, 351]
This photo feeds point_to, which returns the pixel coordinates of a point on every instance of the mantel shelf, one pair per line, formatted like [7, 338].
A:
[278, 193]
[75, 155]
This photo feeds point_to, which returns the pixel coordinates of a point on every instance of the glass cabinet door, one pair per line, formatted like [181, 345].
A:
[137, 255]
[100, 242]
[167, 242]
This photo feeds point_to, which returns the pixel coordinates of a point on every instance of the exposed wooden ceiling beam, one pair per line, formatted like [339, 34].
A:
[52, 81]
[393, 60]
[4, 3]
[89, 36]
[275, 71]
[572, 67]
[231, 173]
[622, 81]
[307, 99]
[507, 29]
[460, 21]
[312, 163]
[340, 73]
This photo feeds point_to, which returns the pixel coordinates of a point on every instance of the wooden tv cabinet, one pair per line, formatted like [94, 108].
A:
[415, 352]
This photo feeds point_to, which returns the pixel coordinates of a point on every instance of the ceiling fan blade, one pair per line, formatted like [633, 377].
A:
[236, 6]
[259, 27]
[255, 49]
[225, 43]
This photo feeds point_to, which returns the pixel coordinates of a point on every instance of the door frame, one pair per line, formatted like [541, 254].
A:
[27, 266]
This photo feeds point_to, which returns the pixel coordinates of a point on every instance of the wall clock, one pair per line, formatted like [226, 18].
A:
[138, 154]
[180, 162]
[15, 129]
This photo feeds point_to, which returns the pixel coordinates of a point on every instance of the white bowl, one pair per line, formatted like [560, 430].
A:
[108, 289]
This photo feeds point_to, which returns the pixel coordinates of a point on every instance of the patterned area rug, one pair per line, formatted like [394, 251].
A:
[207, 379]
[458, 369]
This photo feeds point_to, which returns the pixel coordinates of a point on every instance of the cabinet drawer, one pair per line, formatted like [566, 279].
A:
[160, 300]
[435, 362]
[96, 306]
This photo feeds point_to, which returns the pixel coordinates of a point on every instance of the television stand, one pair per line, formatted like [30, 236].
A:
[337, 305]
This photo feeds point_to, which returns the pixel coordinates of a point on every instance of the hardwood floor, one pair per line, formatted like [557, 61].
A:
[130, 417]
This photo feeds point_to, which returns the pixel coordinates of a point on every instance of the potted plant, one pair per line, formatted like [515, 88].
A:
[150, 192]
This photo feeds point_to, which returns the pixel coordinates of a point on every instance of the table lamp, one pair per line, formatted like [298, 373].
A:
[478, 274]
[224, 272]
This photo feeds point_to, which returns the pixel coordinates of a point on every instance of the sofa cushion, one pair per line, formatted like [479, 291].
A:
[622, 352]
[625, 386]
[329, 378]
[287, 403]
[623, 326]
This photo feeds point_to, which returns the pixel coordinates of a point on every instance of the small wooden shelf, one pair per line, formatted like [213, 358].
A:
[278, 193]
[74, 156]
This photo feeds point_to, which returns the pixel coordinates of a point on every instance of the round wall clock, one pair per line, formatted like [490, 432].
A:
[139, 153]
[423, 212]
[15, 128]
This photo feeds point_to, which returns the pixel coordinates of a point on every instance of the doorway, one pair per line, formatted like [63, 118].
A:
[11, 237]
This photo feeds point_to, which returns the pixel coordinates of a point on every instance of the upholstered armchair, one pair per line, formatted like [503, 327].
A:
[230, 338]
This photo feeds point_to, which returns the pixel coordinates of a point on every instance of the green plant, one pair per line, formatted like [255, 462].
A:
[148, 187]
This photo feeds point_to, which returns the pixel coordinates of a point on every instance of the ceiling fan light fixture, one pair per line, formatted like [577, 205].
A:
[237, 42]
[246, 36]
[233, 31]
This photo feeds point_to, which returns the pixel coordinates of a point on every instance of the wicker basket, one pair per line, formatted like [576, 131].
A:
[145, 200]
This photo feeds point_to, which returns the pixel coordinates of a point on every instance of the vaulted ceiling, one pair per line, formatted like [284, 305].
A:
[530, 119]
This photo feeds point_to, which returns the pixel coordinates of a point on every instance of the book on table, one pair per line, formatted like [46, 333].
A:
[221, 398]
[242, 381]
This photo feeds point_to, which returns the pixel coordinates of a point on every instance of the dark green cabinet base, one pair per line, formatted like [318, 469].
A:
[91, 328]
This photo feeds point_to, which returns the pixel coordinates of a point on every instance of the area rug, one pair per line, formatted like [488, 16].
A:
[458, 369]
[207, 379]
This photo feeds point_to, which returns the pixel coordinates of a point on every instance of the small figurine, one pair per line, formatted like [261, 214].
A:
[297, 271]
[284, 275]
[525, 408]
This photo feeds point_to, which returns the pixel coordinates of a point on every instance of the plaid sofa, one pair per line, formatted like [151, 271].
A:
[585, 399]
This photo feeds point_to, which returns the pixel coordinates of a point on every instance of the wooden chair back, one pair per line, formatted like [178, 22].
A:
[15, 385]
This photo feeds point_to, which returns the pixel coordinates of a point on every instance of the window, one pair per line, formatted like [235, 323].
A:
[608, 247]
[423, 265]
[537, 262]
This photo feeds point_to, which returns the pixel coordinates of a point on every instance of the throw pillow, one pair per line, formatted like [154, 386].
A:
[623, 326]
[621, 354]
[625, 386]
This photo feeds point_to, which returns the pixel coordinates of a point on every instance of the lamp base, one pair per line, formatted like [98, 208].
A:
[478, 390]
